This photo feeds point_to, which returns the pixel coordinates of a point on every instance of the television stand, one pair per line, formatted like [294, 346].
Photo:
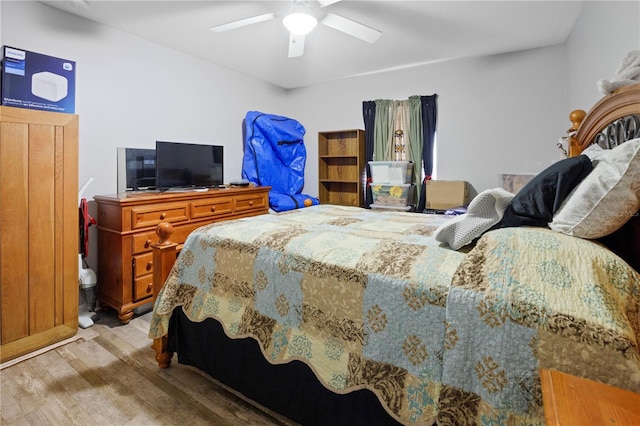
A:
[176, 189]
[127, 228]
[192, 188]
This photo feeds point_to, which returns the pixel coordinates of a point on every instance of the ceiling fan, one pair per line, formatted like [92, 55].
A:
[300, 23]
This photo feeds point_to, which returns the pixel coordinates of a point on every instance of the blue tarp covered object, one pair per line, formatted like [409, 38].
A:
[275, 156]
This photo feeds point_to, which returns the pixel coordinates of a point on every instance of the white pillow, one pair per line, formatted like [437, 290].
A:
[484, 211]
[607, 198]
[594, 152]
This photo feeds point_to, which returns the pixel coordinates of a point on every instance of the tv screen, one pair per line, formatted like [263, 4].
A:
[187, 165]
[136, 169]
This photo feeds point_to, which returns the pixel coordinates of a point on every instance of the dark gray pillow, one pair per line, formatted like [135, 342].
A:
[540, 198]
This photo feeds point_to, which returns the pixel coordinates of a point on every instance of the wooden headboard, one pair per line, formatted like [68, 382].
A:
[617, 114]
[613, 120]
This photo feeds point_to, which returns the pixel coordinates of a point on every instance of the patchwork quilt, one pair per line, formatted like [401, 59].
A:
[369, 299]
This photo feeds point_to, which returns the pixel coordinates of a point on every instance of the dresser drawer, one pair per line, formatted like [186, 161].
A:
[250, 202]
[211, 207]
[142, 241]
[143, 287]
[143, 264]
[143, 217]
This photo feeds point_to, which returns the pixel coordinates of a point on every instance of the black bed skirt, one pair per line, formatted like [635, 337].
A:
[289, 389]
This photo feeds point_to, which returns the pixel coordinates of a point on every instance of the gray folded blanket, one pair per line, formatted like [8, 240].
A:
[627, 73]
[484, 211]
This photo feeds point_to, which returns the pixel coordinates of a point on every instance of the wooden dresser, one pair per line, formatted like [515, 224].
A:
[38, 229]
[126, 230]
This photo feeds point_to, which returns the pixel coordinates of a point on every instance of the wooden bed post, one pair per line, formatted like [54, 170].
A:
[164, 256]
[573, 145]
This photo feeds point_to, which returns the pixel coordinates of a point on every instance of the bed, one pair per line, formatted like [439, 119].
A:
[341, 315]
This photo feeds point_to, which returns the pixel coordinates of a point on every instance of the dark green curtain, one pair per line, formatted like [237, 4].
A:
[383, 131]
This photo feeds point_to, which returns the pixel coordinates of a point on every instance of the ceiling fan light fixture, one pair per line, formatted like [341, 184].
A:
[300, 23]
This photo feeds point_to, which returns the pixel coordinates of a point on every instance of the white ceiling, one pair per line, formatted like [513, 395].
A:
[413, 33]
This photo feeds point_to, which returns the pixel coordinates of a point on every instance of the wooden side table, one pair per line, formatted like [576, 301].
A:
[571, 400]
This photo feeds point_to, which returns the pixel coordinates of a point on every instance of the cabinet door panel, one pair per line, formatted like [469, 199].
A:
[14, 257]
[41, 241]
[38, 229]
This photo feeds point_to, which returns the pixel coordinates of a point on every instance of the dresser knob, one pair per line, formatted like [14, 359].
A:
[251, 203]
[213, 208]
[163, 215]
[147, 243]
[149, 288]
[149, 265]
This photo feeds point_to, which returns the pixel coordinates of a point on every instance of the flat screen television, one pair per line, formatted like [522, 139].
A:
[136, 169]
[187, 165]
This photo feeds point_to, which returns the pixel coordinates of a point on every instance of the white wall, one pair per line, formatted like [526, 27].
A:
[497, 114]
[604, 33]
[131, 92]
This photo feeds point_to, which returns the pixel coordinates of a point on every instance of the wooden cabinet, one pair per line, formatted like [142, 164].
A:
[126, 229]
[341, 167]
[39, 229]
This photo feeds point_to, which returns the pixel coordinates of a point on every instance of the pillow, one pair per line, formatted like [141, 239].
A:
[594, 152]
[541, 197]
[484, 211]
[607, 198]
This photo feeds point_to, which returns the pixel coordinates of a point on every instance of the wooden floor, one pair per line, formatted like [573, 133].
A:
[109, 377]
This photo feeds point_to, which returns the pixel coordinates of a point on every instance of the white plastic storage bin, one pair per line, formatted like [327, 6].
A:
[391, 172]
[392, 195]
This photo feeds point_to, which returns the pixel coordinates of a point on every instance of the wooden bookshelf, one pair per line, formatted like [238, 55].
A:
[341, 167]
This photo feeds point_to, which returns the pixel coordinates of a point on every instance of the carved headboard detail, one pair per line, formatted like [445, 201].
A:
[618, 132]
[613, 119]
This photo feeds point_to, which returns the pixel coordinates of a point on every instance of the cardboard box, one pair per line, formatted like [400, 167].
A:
[392, 195]
[446, 194]
[36, 81]
[391, 172]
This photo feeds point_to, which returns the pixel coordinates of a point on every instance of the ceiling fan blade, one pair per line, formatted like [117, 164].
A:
[324, 3]
[242, 22]
[352, 28]
[296, 45]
